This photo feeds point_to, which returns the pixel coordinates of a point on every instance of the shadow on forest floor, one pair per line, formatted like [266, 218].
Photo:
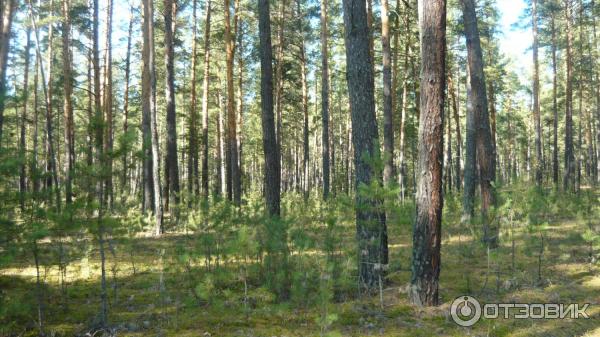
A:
[143, 305]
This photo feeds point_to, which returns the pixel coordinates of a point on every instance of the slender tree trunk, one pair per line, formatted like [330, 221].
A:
[234, 184]
[427, 227]
[271, 150]
[370, 219]
[205, 101]
[388, 127]
[108, 108]
[325, 98]
[192, 164]
[24, 118]
[305, 130]
[479, 104]
[68, 105]
[569, 181]
[34, 157]
[171, 167]
[555, 168]
[539, 162]
[404, 113]
[126, 170]
[7, 8]
[149, 108]
[455, 113]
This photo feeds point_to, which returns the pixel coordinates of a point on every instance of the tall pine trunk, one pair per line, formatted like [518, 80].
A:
[426, 260]
[172, 166]
[325, 99]
[205, 101]
[569, 179]
[539, 161]
[479, 103]
[7, 7]
[69, 135]
[370, 219]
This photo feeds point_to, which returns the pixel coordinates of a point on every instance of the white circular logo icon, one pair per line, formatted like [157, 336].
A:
[465, 311]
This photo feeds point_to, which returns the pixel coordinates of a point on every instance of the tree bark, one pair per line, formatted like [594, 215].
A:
[305, 130]
[172, 166]
[485, 150]
[427, 227]
[555, 167]
[388, 126]
[205, 101]
[370, 219]
[69, 135]
[149, 109]
[125, 173]
[234, 184]
[7, 9]
[568, 180]
[271, 151]
[24, 119]
[539, 161]
[325, 98]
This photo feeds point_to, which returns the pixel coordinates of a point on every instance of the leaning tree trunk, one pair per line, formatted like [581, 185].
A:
[429, 199]
[485, 150]
[370, 219]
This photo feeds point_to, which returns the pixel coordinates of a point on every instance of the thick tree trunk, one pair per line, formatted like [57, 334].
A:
[427, 227]
[172, 166]
[404, 113]
[69, 135]
[205, 101]
[271, 151]
[325, 98]
[485, 150]
[370, 219]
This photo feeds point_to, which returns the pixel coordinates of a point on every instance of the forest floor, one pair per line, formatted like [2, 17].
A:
[156, 299]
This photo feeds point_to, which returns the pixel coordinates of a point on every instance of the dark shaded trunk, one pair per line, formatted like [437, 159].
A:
[69, 135]
[126, 170]
[429, 199]
[539, 161]
[193, 185]
[325, 99]
[479, 102]
[271, 152]
[205, 101]
[370, 219]
[555, 169]
[233, 170]
[569, 179]
[172, 166]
